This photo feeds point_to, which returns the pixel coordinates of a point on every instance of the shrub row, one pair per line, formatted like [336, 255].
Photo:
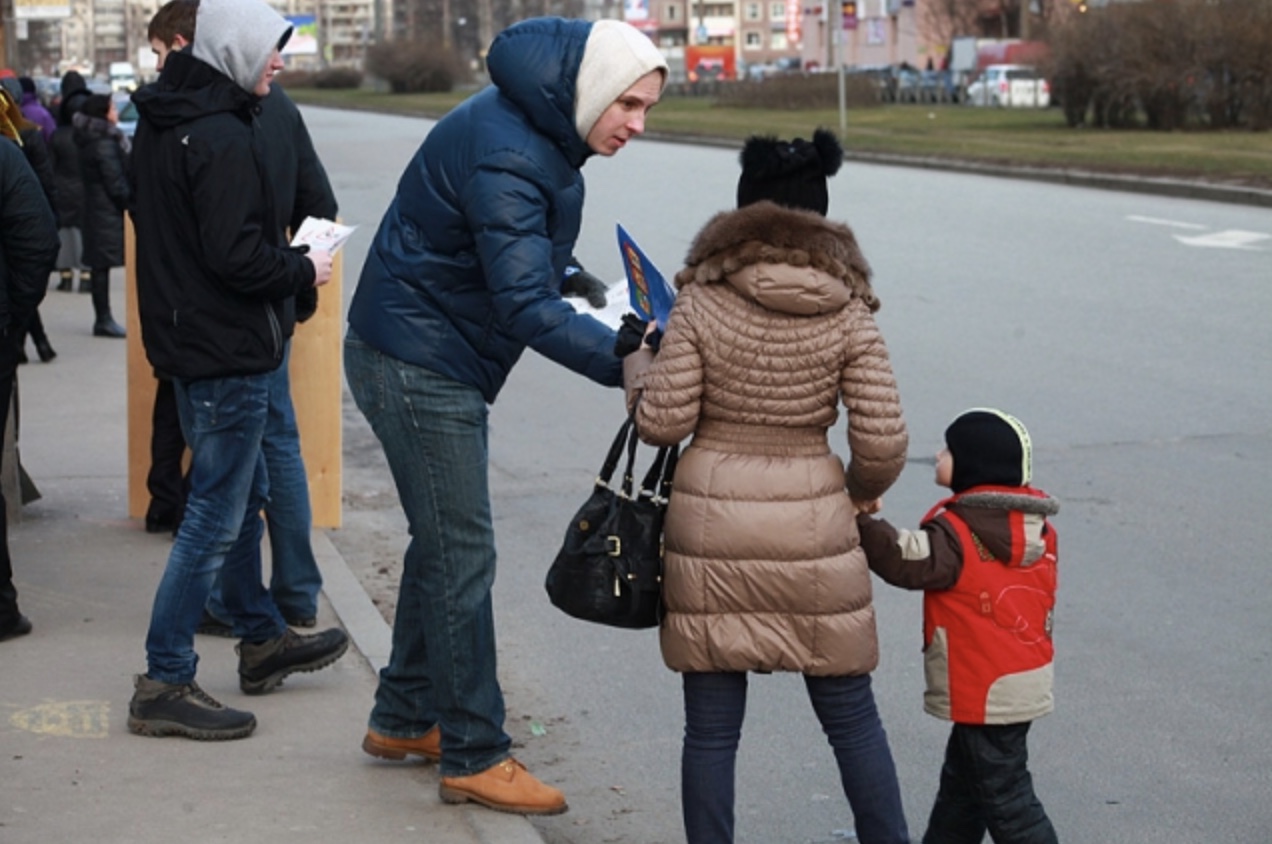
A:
[331, 77]
[416, 66]
[795, 91]
[1171, 64]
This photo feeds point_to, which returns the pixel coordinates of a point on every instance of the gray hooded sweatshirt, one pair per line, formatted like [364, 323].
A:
[237, 38]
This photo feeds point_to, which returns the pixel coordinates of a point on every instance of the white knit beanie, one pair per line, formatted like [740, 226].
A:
[616, 55]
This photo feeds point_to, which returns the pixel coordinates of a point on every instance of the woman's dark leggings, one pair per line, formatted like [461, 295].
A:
[715, 704]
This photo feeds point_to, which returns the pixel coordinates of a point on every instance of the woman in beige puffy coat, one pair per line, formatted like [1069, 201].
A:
[772, 329]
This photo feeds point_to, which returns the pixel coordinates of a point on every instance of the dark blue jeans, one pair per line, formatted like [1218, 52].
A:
[715, 704]
[986, 787]
[442, 667]
[294, 581]
[223, 420]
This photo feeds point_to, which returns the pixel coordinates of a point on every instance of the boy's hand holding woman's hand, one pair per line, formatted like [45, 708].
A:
[868, 508]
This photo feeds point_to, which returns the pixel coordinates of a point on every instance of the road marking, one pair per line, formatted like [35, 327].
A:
[1230, 239]
[1158, 221]
[66, 719]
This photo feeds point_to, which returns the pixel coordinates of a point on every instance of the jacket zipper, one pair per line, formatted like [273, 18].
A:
[276, 332]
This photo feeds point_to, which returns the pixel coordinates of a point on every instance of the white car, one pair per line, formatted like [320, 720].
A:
[1007, 85]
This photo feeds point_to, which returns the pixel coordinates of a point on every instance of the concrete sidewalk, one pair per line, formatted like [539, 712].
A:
[86, 576]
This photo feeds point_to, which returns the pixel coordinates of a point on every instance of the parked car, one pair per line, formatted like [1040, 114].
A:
[123, 76]
[47, 88]
[938, 86]
[893, 83]
[1009, 85]
[127, 113]
[908, 83]
[778, 67]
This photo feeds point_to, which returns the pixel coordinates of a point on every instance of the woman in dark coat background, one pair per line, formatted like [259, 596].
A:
[70, 185]
[103, 152]
[26, 134]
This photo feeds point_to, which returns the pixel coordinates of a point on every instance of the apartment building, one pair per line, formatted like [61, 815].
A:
[882, 32]
[757, 34]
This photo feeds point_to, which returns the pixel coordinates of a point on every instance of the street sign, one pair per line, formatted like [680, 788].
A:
[849, 10]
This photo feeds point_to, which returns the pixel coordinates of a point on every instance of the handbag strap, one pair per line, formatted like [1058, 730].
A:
[625, 432]
[629, 472]
[668, 474]
[657, 481]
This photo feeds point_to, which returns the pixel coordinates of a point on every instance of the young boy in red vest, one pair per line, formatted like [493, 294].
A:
[986, 558]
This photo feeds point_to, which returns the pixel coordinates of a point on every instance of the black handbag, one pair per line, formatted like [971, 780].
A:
[609, 569]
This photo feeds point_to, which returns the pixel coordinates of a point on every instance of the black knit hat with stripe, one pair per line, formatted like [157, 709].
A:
[988, 447]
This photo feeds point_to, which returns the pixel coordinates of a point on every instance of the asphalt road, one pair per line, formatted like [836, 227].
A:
[1129, 332]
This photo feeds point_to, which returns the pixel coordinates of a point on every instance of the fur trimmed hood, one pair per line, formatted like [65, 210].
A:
[765, 233]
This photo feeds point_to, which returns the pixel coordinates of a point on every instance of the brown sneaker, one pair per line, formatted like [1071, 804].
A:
[428, 745]
[507, 787]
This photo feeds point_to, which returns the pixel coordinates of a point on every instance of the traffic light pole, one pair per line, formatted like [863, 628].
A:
[839, 71]
[839, 61]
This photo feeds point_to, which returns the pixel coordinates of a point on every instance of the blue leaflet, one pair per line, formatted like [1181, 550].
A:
[650, 294]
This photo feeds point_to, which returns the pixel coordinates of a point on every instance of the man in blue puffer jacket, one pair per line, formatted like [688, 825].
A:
[465, 273]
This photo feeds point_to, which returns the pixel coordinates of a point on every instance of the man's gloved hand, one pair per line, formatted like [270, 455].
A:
[632, 333]
[581, 283]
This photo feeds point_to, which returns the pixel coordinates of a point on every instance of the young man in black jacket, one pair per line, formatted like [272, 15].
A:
[301, 189]
[216, 288]
[28, 248]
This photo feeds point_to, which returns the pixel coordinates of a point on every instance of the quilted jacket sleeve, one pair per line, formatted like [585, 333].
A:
[508, 205]
[877, 437]
[929, 558]
[672, 397]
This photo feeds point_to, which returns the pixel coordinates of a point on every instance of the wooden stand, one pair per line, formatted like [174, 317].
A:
[316, 372]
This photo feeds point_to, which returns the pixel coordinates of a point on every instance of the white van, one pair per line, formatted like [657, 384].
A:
[123, 76]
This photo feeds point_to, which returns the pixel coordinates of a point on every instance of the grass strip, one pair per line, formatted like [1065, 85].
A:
[1016, 137]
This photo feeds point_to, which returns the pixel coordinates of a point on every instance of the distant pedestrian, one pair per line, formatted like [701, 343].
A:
[15, 125]
[771, 332]
[466, 272]
[70, 184]
[103, 156]
[216, 285]
[986, 558]
[35, 110]
[28, 246]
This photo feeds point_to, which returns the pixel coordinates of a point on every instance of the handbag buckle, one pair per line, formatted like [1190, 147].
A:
[615, 546]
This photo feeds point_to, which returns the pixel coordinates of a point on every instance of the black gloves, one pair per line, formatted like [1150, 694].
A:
[581, 283]
[631, 334]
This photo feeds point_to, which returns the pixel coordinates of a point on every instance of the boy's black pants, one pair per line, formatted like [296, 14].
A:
[986, 787]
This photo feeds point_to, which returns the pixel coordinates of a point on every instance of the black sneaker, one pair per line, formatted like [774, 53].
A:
[306, 621]
[165, 709]
[210, 625]
[262, 667]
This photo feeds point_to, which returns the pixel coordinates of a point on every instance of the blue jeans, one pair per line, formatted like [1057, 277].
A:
[715, 704]
[223, 420]
[294, 581]
[442, 668]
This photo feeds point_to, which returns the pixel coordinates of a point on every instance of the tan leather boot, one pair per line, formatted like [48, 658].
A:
[428, 745]
[507, 787]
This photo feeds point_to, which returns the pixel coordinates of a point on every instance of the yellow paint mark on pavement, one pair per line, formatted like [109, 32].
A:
[65, 719]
